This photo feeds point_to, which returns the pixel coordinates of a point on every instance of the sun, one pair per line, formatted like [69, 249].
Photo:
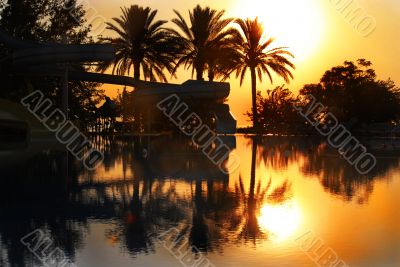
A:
[280, 221]
[297, 24]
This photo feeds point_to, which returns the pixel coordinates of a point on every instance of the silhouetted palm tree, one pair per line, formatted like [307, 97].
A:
[142, 43]
[205, 37]
[256, 56]
[222, 60]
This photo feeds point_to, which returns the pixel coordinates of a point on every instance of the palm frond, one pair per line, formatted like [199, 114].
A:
[141, 41]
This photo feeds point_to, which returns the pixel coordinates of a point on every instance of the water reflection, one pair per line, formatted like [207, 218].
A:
[256, 196]
[281, 221]
[137, 195]
[341, 179]
[35, 196]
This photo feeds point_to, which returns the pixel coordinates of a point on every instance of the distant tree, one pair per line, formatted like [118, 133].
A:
[276, 111]
[124, 104]
[83, 103]
[205, 42]
[142, 44]
[353, 93]
[255, 55]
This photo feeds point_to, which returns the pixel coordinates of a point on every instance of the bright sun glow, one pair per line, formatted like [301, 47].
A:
[280, 221]
[297, 24]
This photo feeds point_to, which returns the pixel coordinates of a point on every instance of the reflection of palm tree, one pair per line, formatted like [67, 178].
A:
[152, 205]
[136, 228]
[254, 198]
[206, 36]
[142, 43]
[253, 55]
[199, 236]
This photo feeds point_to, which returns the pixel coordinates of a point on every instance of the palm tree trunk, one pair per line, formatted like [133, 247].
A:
[199, 67]
[199, 232]
[136, 71]
[252, 222]
[199, 74]
[254, 97]
[211, 75]
[136, 203]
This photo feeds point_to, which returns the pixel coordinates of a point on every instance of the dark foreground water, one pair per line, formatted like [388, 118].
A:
[292, 202]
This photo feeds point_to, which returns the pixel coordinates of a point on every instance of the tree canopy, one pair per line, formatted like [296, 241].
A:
[353, 92]
[47, 21]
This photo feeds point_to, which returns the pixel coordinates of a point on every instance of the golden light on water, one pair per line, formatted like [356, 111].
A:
[297, 24]
[280, 221]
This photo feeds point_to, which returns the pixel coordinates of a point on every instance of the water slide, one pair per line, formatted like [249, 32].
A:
[49, 59]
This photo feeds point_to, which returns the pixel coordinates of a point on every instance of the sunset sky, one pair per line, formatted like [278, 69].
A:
[316, 32]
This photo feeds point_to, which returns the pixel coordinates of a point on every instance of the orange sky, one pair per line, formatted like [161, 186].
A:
[317, 33]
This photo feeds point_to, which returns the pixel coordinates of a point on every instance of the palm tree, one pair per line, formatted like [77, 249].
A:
[222, 60]
[141, 43]
[256, 56]
[203, 39]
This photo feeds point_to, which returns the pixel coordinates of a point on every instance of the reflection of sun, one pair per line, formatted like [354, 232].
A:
[280, 221]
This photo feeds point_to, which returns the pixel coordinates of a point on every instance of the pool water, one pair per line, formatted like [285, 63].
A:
[291, 202]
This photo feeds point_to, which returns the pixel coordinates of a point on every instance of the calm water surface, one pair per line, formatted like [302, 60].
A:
[258, 215]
